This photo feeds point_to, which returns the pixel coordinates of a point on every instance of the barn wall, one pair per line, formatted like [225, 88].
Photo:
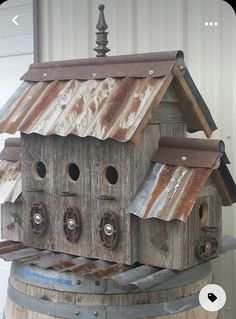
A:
[67, 31]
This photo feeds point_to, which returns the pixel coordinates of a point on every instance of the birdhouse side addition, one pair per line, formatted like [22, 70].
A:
[178, 245]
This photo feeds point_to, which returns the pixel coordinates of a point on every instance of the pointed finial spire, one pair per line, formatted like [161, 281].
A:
[101, 41]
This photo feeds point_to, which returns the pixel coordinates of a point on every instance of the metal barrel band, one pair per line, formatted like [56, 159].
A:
[69, 311]
[121, 284]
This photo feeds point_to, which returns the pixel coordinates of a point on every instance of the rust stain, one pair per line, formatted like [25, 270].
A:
[193, 189]
[116, 102]
[7, 125]
[105, 108]
[10, 246]
[85, 268]
[64, 265]
[51, 92]
[161, 184]
[109, 272]
[10, 181]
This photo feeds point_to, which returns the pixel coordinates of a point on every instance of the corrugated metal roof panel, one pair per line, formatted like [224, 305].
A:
[110, 108]
[169, 192]
[142, 277]
[10, 181]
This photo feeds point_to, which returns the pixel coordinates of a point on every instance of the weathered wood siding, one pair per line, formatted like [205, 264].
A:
[35, 148]
[11, 221]
[193, 229]
[106, 197]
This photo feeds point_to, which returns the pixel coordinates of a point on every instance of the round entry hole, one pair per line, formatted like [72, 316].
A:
[73, 172]
[39, 170]
[111, 175]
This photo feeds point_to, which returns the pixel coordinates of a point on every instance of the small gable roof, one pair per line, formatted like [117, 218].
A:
[111, 97]
[181, 168]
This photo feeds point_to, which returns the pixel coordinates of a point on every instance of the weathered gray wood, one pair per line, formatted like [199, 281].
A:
[141, 155]
[11, 221]
[193, 228]
[167, 113]
[173, 129]
[171, 94]
[72, 149]
[111, 198]
[57, 152]
[160, 243]
[173, 244]
[37, 148]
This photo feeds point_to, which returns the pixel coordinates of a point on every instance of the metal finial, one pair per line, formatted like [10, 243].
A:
[101, 41]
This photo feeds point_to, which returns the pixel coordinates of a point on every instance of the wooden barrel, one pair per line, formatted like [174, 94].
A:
[36, 293]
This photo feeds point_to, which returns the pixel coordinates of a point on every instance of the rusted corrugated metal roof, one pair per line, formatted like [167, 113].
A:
[176, 180]
[108, 97]
[10, 181]
[169, 192]
[10, 171]
[109, 108]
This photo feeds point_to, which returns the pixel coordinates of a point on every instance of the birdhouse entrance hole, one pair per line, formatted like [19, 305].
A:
[73, 172]
[39, 170]
[111, 175]
[203, 212]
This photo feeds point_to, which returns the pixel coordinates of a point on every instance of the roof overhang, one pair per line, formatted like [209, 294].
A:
[180, 170]
[112, 97]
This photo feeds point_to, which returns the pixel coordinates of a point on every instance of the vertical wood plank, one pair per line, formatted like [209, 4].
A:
[37, 148]
[73, 150]
[11, 221]
[111, 198]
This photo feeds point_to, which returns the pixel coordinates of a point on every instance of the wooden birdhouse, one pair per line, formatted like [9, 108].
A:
[95, 177]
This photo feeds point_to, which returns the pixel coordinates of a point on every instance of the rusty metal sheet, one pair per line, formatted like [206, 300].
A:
[35, 258]
[135, 65]
[48, 261]
[190, 152]
[134, 274]
[110, 108]
[87, 72]
[10, 246]
[22, 253]
[10, 181]
[169, 192]
[70, 264]
[142, 276]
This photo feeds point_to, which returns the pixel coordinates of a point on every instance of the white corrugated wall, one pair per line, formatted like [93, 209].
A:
[67, 31]
[16, 52]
